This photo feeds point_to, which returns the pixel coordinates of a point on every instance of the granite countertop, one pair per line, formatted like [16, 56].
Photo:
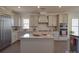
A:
[49, 36]
[38, 37]
[32, 36]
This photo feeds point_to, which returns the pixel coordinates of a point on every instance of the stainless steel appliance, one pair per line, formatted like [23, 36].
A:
[5, 30]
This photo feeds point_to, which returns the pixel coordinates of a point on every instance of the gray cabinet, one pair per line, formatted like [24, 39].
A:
[5, 30]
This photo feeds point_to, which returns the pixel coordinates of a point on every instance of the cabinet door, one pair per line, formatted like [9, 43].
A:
[60, 18]
[52, 20]
[33, 20]
[50, 23]
[43, 19]
[63, 18]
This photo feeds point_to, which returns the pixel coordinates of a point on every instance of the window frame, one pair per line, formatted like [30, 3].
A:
[26, 23]
[75, 26]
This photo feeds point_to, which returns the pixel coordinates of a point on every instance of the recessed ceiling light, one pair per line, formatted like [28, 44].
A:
[19, 7]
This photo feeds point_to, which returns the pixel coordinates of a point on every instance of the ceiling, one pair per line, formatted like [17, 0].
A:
[34, 9]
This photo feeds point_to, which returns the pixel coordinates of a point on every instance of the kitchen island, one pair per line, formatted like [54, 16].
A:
[44, 44]
[37, 44]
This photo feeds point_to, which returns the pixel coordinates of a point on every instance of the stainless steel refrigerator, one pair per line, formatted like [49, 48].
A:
[5, 30]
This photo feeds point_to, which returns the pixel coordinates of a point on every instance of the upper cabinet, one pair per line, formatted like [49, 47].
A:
[52, 20]
[43, 19]
[31, 20]
[63, 18]
[34, 20]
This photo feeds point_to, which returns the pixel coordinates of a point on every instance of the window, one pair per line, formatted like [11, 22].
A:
[74, 22]
[75, 26]
[75, 30]
[25, 23]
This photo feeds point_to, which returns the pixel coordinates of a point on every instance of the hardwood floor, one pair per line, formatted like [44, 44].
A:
[14, 48]
[60, 46]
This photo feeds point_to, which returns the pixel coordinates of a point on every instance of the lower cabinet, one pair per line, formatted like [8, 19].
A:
[14, 36]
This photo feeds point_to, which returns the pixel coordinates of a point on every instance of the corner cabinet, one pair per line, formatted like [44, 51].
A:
[34, 20]
[52, 20]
